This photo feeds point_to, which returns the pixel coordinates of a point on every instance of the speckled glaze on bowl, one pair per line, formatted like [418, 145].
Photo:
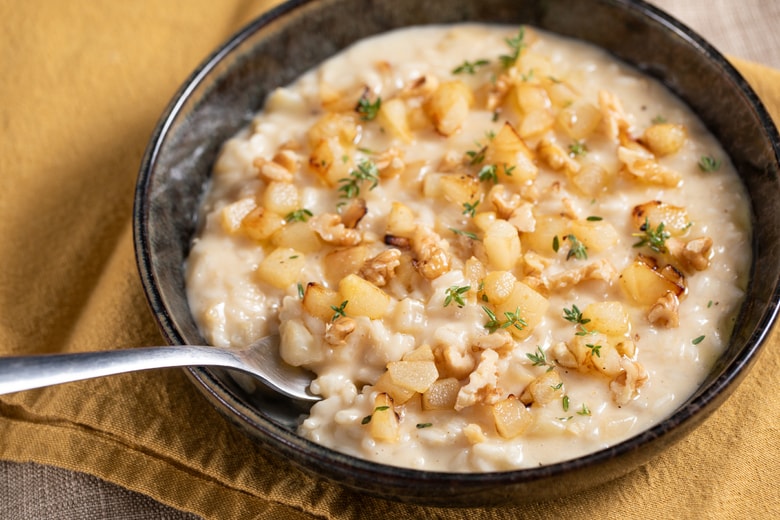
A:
[224, 93]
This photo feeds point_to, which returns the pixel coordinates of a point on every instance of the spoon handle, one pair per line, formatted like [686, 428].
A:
[27, 372]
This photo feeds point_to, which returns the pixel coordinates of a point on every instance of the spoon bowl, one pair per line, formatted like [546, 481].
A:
[260, 359]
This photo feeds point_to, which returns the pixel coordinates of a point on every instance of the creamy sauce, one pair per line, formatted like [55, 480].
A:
[571, 180]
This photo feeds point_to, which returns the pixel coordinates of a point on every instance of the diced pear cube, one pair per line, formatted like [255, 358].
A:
[591, 179]
[341, 126]
[502, 245]
[413, 375]
[531, 97]
[399, 394]
[674, 218]
[459, 189]
[327, 161]
[644, 284]
[421, 353]
[608, 317]
[260, 223]
[319, 301]
[546, 388]
[449, 106]
[384, 425]
[393, 116]
[664, 138]
[595, 235]
[511, 416]
[547, 228]
[498, 286]
[299, 236]
[281, 267]
[441, 395]
[536, 123]
[513, 159]
[528, 304]
[281, 197]
[363, 297]
[580, 119]
[401, 221]
[342, 262]
[484, 219]
[233, 214]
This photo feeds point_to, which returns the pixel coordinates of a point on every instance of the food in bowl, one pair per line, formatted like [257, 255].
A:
[497, 248]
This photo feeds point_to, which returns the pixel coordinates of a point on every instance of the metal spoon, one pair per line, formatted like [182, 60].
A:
[261, 359]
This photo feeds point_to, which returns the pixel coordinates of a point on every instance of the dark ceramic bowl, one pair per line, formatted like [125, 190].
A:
[224, 93]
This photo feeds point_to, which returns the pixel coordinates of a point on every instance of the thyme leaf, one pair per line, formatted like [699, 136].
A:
[455, 293]
[655, 239]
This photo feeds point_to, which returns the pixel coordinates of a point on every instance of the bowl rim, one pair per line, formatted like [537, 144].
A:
[708, 400]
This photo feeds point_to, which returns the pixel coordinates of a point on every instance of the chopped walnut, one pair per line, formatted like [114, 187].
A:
[474, 434]
[281, 168]
[627, 383]
[523, 218]
[422, 86]
[431, 257]
[332, 230]
[390, 162]
[381, 268]
[354, 212]
[569, 210]
[534, 263]
[337, 332]
[556, 157]
[504, 202]
[561, 354]
[599, 270]
[694, 254]
[483, 383]
[452, 362]
[641, 163]
[498, 91]
[665, 312]
[501, 341]
[613, 116]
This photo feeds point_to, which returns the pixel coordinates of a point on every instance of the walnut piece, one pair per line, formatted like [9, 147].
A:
[381, 268]
[666, 311]
[332, 230]
[337, 332]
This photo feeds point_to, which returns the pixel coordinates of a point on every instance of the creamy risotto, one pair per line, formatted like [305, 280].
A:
[496, 248]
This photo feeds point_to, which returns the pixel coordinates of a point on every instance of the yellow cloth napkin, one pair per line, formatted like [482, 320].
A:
[82, 86]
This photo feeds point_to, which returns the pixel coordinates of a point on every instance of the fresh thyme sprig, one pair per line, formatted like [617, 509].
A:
[489, 172]
[578, 148]
[470, 209]
[368, 110]
[513, 319]
[455, 294]
[595, 349]
[655, 239]
[339, 311]
[367, 418]
[574, 315]
[708, 163]
[476, 156]
[576, 249]
[470, 67]
[467, 234]
[516, 45]
[539, 359]
[366, 172]
[584, 410]
[299, 215]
